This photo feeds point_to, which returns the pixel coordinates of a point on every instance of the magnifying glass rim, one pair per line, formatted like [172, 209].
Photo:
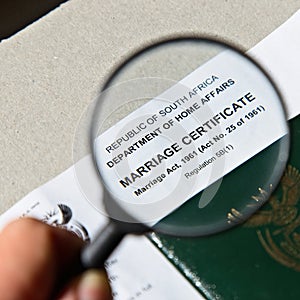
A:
[159, 43]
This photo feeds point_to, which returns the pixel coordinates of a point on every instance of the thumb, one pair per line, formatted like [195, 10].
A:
[35, 258]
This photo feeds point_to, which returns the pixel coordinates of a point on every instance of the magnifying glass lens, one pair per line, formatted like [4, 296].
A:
[189, 137]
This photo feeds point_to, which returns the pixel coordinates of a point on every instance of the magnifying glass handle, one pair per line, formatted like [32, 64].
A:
[95, 254]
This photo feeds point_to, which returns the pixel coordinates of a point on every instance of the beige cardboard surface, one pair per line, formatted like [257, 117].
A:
[53, 68]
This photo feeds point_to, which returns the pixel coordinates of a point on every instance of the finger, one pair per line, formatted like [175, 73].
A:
[70, 291]
[32, 255]
[92, 285]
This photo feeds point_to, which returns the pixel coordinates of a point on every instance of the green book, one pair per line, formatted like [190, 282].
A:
[259, 259]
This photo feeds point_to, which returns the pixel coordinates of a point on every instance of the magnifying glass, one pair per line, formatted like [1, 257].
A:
[189, 138]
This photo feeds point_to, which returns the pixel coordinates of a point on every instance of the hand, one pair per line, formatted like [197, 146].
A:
[35, 259]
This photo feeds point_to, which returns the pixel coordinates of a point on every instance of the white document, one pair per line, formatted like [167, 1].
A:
[278, 53]
[61, 201]
[137, 269]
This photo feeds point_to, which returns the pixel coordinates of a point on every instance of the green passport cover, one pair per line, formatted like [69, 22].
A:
[259, 259]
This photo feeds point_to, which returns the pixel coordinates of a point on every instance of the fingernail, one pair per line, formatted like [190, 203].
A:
[94, 286]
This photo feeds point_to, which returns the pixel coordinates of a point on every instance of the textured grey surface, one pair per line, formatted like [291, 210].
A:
[52, 69]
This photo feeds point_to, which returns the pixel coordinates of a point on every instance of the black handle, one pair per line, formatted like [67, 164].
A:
[95, 254]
